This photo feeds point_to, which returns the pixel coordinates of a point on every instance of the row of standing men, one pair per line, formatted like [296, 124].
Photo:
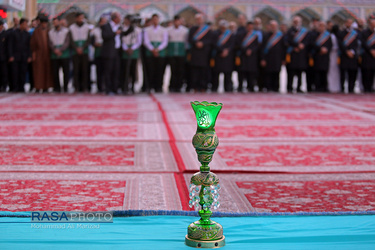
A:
[197, 55]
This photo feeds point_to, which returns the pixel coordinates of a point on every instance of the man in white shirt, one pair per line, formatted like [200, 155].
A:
[156, 41]
[80, 38]
[177, 37]
[59, 40]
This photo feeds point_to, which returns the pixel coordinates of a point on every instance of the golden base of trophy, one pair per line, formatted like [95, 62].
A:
[204, 243]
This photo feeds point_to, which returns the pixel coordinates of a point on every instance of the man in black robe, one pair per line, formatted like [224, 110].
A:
[240, 32]
[19, 55]
[3, 58]
[200, 40]
[259, 28]
[297, 39]
[310, 77]
[321, 45]
[368, 57]
[8, 32]
[273, 56]
[348, 47]
[249, 45]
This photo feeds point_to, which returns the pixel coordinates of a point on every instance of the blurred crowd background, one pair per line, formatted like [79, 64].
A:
[111, 46]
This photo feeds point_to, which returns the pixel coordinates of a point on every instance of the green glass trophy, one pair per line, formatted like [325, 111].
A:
[204, 185]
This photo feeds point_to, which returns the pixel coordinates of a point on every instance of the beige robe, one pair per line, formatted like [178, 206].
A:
[41, 59]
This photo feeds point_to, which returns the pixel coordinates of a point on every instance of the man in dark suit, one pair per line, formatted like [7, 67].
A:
[258, 27]
[368, 57]
[348, 47]
[3, 58]
[273, 56]
[296, 58]
[16, 24]
[249, 45]
[321, 46]
[97, 41]
[240, 32]
[130, 54]
[223, 55]
[19, 55]
[200, 40]
[146, 78]
[310, 77]
[110, 52]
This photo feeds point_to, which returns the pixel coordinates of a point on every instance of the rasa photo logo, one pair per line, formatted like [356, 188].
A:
[72, 217]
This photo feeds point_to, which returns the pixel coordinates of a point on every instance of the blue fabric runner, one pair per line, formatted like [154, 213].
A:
[168, 232]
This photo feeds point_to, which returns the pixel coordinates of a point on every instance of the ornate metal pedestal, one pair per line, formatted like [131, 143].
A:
[204, 185]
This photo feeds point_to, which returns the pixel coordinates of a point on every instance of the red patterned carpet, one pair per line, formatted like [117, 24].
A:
[277, 153]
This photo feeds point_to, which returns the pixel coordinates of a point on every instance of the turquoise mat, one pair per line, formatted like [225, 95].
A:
[168, 232]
